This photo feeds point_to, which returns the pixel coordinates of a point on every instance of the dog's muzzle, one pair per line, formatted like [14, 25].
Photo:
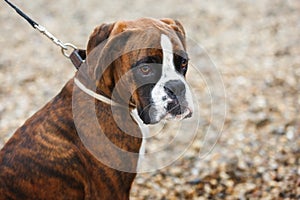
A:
[177, 106]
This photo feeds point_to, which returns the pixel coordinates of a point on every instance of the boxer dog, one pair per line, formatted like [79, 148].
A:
[48, 157]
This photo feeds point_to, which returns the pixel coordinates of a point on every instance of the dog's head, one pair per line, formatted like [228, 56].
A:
[143, 63]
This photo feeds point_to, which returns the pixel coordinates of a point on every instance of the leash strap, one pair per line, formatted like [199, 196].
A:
[77, 56]
[20, 12]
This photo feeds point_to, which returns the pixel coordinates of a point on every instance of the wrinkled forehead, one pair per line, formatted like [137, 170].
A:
[149, 43]
[149, 30]
[150, 38]
[134, 44]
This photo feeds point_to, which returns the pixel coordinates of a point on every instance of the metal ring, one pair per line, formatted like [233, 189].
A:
[64, 50]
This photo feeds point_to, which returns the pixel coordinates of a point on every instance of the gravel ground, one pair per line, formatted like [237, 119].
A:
[256, 48]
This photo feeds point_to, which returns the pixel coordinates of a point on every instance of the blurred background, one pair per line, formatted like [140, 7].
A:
[255, 48]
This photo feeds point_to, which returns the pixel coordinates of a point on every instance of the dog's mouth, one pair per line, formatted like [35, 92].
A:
[177, 111]
[174, 110]
[185, 115]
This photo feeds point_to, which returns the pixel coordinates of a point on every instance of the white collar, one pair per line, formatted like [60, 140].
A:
[95, 95]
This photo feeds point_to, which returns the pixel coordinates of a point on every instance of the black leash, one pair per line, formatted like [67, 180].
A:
[20, 12]
[77, 56]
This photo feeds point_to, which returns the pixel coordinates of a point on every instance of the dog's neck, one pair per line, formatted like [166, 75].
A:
[97, 121]
[99, 89]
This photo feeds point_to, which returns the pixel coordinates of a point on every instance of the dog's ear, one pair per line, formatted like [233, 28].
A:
[177, 27]
[175, 24]
[100, 34]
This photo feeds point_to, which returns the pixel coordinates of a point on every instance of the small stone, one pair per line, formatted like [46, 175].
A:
[242, 165]
[229, 183]
[195, 181]
[290, 133]
[176, 171]
[213, 182]
[241, 189]
[279, 130]
[207, 188]
[224, 175]
[258, 104]
[261, 169]
[195, 171]
[200, 198]
[261, 120]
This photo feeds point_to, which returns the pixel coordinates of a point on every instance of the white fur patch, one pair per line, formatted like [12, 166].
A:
[158, 94]
[145, 133]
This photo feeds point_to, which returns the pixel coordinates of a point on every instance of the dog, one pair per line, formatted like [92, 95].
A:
[79, 146]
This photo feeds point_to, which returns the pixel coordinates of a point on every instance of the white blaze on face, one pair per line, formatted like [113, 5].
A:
[167, 48]
[159, 96]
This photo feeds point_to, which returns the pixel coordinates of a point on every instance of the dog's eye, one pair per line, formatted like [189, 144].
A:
[184, 66]
[184, 63]
[145, 69]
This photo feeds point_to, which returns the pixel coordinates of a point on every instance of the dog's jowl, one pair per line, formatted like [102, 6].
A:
[139, 66]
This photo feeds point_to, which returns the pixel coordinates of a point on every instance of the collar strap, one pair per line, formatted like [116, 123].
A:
[78, 57]
[99, 97]
[95, 95]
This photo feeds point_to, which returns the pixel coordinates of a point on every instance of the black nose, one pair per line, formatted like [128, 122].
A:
[175, 89]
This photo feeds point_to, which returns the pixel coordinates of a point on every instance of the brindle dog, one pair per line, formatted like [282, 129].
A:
[46, 158]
